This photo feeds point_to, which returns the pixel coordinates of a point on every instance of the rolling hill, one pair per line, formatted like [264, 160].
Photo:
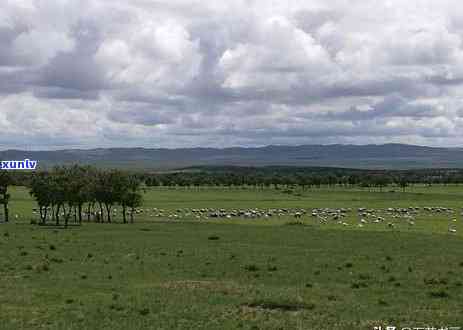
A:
[387, 156]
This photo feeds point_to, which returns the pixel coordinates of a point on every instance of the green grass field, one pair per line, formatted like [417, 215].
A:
[161, 273]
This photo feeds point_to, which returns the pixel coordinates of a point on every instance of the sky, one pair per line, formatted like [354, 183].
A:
[174, 73]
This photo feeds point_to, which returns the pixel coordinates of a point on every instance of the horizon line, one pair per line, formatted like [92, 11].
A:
[232, 147]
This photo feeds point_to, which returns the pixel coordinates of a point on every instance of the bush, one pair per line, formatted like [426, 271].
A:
[439, 294]
[144, 311]
[272, 268]
[251, 268]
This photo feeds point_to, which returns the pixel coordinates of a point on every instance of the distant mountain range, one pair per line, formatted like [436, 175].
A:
[386, 156]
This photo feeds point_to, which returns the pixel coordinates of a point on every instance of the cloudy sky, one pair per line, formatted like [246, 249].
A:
[174, 73]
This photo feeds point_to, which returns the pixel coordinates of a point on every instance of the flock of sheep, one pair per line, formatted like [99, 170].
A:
[391, 217]
[212, 213]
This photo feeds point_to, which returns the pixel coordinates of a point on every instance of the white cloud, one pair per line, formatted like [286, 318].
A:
[252, 72]
[153, 54]
[288, 58]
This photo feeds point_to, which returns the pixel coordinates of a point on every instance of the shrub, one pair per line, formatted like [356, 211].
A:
[272, 268]
[439, 294]
[364, 277]
[144, 311]
[332, 297]
[391, 279]
[251, 268]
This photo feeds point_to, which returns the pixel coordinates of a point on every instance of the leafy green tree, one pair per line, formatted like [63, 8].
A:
[40, 189]
[403, 183]
[133, 200]
[5, 181]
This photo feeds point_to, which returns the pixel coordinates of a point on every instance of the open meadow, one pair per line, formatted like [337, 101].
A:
[219, 258]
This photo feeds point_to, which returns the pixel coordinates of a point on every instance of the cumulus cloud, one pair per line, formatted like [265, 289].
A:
[208, 73]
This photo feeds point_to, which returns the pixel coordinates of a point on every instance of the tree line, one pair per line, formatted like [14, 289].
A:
[275, 176]
[84, 192]
[304, 177]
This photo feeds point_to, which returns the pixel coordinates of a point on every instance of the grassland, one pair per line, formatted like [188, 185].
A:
[237, 273]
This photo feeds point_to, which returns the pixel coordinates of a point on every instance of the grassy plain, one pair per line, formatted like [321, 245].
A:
[161, 273]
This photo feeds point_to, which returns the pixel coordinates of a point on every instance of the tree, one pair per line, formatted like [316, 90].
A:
[133, 200]
[381, 181]
[62, 193]
[105, 192]
[403, 183]
[79, 188]
[5, 181]
[130, 196]
[40, 189]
